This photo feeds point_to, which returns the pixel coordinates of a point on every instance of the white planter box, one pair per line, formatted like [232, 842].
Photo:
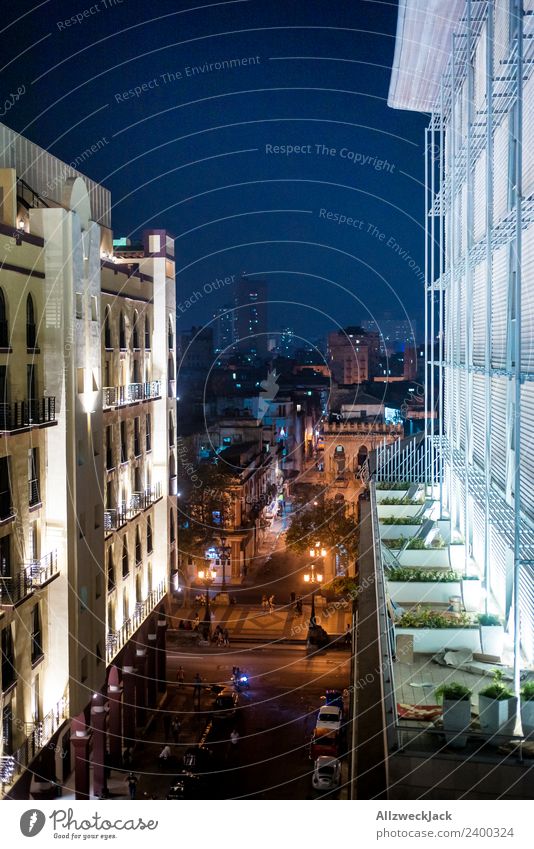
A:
[457, 557]
[472, 595]
[425, 558]
[497, 717]
[456, 718]
[423, 591]
[492, 639]
[398, 511]
[393, 531]
[389, 493]
[432, 640]
[527, 718]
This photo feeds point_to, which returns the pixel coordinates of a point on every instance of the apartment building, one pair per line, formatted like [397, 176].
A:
[88, 473]
[353, 355]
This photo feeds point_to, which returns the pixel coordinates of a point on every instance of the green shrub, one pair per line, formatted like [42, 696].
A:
[401, 520]
[406, 502]
[407, 574]
[393, 485]
[454, 691]
[426, 618]
[527, 691]
[498, 689]
[489, 619]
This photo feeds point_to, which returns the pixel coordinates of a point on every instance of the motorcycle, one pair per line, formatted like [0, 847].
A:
[241, 681]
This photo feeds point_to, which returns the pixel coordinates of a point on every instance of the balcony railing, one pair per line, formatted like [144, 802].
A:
[14, 589]
[115, 518]
[40, 571]
[119, 396]
[117, 639]
[38, 734]
[143, 500]
[21, 414]
[34, 495]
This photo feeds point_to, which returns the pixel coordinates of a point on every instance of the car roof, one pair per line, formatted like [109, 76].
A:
[333, 709]
[326, 760]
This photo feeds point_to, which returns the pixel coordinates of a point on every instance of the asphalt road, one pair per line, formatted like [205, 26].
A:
[276, 718]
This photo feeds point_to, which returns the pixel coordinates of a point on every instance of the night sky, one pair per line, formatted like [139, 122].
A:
[191, 151]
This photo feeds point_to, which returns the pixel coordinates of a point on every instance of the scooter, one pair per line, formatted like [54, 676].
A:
[241, 681]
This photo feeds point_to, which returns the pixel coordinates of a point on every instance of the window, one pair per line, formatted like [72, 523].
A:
[31, 330]
[138, 548]
[124, 443]
[107, 329]
[149, 543]
[172, 527]
[34, 496]
[94, 308]
[122, 332]
[9, 675]
[147, 333]
[111, 570]
[4, 332]
[136, 330]
[137, 436]
[125, 558]
[37, 635]
[170, 334]
[148, 432]
[79, 305]
[171, 430]
[5, 490]
[109, 447]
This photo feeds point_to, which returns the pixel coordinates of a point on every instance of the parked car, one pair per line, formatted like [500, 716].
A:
[326, 773]
[334, 697]
[330, 716]
[198, 760]
[324, 741]
[225, 705]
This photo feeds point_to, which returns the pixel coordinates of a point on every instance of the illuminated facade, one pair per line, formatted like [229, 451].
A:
[88, 501]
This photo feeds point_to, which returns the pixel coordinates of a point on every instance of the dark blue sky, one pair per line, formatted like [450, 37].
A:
[189, 152]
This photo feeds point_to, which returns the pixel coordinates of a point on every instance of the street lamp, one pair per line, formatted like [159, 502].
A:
[318, 551]
[223, 551]
[315, 579]
[207, 576]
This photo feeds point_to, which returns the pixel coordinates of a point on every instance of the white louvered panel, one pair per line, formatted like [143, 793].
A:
[461, 320]
[479, 418]
[479, 313]
[499, 296]
[527, 301]
[479, 197]
[479, 523]
[461, 404]
[528, 137]
[498, 567]
[463, 220]
[498, 430]
[480, 70]
[527, 454]
[526, 595]
[501, 30]
[500, 172]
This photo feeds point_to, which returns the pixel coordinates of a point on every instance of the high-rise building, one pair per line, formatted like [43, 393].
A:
[224, 329]
[88, 468]
[353, 355]
[251, 316]
[395, 334]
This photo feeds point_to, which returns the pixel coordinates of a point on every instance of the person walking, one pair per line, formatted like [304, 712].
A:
[180, 676]
[234, 738]
[299, 605]
[264, 602]
[197, 688]
[131, 781]
[165, 753]
[226, 638]
[176, 727]
[271, 604]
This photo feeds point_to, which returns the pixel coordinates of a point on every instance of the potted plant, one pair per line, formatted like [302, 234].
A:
[527, 709]
[491, 634]
[471, 593]
[433, 630]
[456, 712]
[497, 707]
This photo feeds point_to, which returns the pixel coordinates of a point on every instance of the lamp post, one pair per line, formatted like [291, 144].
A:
[315, 579]
[223, 551]
[207, 576]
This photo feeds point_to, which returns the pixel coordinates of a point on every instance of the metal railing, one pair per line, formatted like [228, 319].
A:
[38, 734]
[117, 639]
[115, 518]
[21, 414]
[118, 396]
[34, 496]
[139, 501]
[14, 589]
[6, 505]
[40, 571]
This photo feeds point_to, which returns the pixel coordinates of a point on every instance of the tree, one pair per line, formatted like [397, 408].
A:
[327, 524]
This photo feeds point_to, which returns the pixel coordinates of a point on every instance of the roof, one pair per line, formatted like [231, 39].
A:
[422, 49]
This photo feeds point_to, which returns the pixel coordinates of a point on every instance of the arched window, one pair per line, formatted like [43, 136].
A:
[149, 543]
[172, 475]
[135, 329]
[122, 332]
[4, 334]
[125, 558]
[172, 529]
[138, 548]
[111, 570]
[138, 593]
[31, 329]
[170, 334]
[107, 328]
[171, 430]
[147, 333]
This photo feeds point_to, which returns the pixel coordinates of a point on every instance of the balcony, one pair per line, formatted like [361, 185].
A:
[143, 500]
[41, 571]
[6, 506]
[117, 639]
[115, 518]
[14, 589]
[23, 414]
[131, 393]
[37, 735]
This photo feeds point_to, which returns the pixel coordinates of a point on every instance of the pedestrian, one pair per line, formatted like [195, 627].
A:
[299, 605]
[271, 603]
[127, 756]
[234, 738]
[180, 677]
[196, 622]
[197, 688]
[220, 639]
[165, 753]
[131, 780]
[264, 601]
[226, 638]
[176, 727]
